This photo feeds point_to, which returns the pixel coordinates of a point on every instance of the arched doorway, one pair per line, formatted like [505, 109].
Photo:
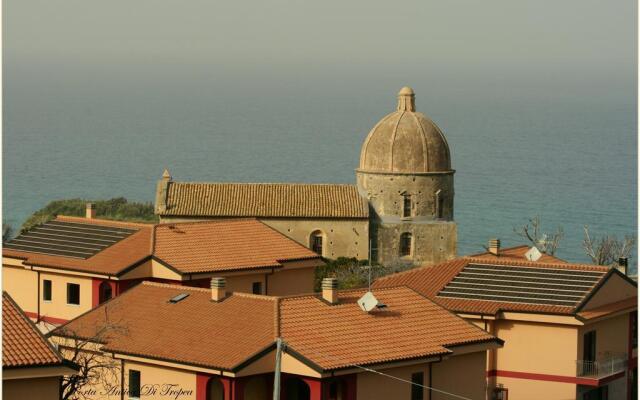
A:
[257, 388]
[104, 292]
[316, 242]
[296, 389]
[215, 390]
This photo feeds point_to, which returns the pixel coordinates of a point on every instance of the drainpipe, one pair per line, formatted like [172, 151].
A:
[38, 298]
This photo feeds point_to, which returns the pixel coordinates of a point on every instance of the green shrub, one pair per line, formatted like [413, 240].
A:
[118, 209]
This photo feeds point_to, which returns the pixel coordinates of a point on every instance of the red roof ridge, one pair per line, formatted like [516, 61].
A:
[209, 221]
[207, 290]
[103, 221]
[502, 249]
[416, 269]
[261, 183]
[510, 262]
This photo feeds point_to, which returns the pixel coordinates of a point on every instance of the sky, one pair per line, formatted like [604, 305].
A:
[327, 45]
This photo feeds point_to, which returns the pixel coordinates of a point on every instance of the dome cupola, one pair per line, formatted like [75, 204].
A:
[405, 141]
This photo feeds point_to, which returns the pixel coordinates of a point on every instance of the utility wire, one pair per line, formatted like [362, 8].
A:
[396, 378]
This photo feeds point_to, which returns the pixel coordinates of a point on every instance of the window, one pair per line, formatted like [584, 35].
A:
[405, 244]
[257, 288]
[105, 292]
[134, 384]
[316, 242]
[406, 206]
[46, 290]
[73, 293]
[417, 392]
[589, 346]
[439, 203]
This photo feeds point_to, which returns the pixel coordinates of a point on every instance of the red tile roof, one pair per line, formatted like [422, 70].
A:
[189, 247]
[23, 345]
[225, 245]
[612, 308]
[109, 261]
[431, 280]
[288, 200]
[342, 335]
[223, 335]
[516, 253]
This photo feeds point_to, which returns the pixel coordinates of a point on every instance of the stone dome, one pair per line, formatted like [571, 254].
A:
[405, 141]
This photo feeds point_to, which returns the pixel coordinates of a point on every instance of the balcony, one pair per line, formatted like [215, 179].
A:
[609, 365]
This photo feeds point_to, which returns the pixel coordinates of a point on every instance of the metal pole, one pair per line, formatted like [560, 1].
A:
[276, 378]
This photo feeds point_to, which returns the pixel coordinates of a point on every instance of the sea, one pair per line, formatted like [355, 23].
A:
[565, 153]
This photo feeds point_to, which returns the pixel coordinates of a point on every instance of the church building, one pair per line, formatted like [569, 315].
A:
[400, 210]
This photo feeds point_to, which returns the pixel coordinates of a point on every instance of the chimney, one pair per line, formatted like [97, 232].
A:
[494, 246]
[330, 290]
[91, 211]
[218, 289]
[623, 263]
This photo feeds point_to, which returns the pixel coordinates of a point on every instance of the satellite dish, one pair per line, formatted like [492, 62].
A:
[368, 302]
[533, 254]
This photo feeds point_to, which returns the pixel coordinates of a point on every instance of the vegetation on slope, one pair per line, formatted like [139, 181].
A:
[119, 209]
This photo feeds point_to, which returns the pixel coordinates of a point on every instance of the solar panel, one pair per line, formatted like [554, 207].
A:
[68, 239]
[547, 286]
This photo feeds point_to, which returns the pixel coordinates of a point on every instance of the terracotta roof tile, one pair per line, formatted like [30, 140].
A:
[431, 280]
[191, 247]
[229, 332]
[341, 335]
[194, 331]
[109, 261]
[225, 245]
[22, 343]
[622, 305]
[516, 253]
[287, 200]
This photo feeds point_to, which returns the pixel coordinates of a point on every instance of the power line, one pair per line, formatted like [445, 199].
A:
[395, 377]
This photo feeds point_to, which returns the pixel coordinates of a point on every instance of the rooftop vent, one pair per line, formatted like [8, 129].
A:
[178, 298]
[90, 211]
[533, 254]
[218, 289]
[330, 290]
[494, 246]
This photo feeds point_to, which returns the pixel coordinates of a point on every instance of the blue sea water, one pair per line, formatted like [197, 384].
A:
[565, 152]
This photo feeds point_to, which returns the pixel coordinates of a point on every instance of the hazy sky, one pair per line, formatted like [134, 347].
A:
[250, 45]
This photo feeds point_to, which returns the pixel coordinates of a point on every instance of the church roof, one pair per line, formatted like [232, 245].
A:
[405, 141]
[284, 200]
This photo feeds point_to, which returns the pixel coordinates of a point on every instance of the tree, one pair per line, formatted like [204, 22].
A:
[95, 368]
[607, 249]
[119, 209]
[547, 243]
[353, 273]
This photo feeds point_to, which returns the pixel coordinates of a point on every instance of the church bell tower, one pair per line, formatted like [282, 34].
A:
[405, 174]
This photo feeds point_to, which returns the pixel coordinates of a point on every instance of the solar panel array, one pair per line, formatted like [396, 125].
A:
[547, 286]
[68, 239]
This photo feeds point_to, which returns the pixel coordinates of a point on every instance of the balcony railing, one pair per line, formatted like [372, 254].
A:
[607, 366]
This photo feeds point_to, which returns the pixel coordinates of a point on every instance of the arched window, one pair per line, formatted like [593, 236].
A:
[439, 203]
[405, 244]
[105, 292]
[316, 242]
[406, 205]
